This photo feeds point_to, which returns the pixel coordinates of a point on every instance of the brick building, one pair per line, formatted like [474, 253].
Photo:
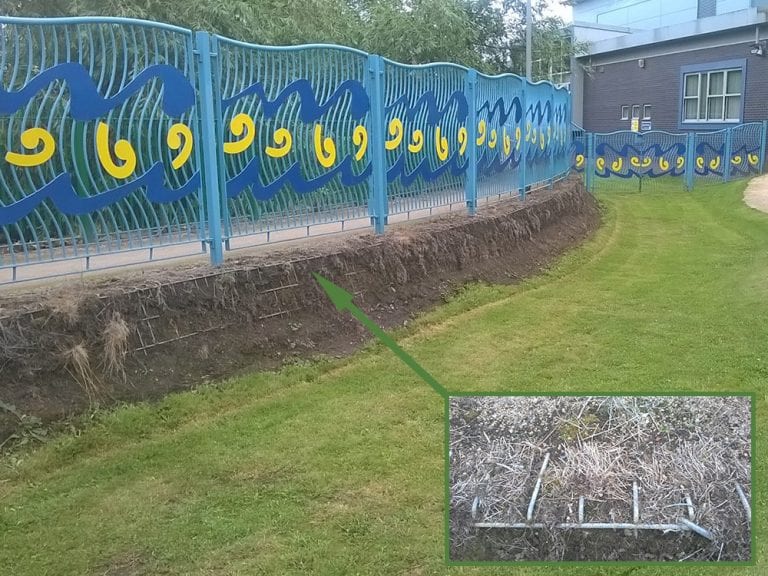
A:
[670, 65]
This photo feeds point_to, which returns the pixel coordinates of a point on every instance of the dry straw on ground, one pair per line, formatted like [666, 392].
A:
[672, 447]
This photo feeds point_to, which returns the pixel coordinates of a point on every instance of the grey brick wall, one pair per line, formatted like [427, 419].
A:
[608, 86]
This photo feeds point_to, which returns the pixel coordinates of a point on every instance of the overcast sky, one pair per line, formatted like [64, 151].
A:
[557, 9]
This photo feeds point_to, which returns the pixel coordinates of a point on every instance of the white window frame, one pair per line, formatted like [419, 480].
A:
[703, 97]
[625, 112]
[647, 111]
[635, 111]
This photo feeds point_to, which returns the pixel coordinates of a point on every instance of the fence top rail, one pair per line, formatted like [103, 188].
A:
[429, 65]
[70, 20]
[500, 76]
[624, 132]
[290, 48]
[677, 134]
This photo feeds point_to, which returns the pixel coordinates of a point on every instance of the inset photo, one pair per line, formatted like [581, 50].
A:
[600, 478]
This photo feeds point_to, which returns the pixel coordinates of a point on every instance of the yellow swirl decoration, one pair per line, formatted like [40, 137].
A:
[493, 139]
[441, 145]
[507, 143]
[600, 163]
[518, 134]
[31, 139]
[736, 160]
[635, 161]
[549, 134]
[418, 142]
[462, 140]
[700, 162]
[714, 164]
[528, 132]
[179, 137]
[533, 137]
[753, 159]
[663, 164]
[240, 123]
[579, 160]
[325, 149]
[360, 139]
[123, 151]
[617, 164]
[542, 144]
[481, 132]
[680, 162]
[647, 161]
[396, 131]
[284, 141]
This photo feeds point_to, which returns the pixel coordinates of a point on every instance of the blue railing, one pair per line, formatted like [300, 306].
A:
[129, 140]
[716, 156]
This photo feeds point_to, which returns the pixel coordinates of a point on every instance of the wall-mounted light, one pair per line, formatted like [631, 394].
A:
[758, 49]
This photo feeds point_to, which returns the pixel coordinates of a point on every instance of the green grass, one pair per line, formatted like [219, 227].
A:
[337, 467]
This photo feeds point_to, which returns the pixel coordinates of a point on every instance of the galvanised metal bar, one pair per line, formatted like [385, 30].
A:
[744, 502]
[532, 503]
[683, 526]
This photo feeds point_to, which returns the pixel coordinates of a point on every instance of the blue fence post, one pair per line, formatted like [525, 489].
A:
[763, 139]
[550, 148]
[589, 168]
[690, 159]
[727, 155]
[523, 161]
[377, 137]
[210, 143]
[470, 185]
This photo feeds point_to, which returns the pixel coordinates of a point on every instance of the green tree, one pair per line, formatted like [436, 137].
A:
[486, 34]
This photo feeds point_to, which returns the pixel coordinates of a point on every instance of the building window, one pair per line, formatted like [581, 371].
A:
[635, 110]
[706, 8]
[646, 111]
[713, 96]
[625, 112]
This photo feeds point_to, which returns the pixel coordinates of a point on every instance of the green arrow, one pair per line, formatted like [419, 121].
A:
[343, 301]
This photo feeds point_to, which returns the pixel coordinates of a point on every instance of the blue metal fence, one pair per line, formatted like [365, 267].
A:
[130, 137]
[98, 120]
[715, 156]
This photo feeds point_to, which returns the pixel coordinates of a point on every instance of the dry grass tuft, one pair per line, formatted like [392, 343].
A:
[78, 366]
[115, 338]
[66, 308]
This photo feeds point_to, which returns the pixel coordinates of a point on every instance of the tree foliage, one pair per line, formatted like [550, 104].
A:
[486, 34]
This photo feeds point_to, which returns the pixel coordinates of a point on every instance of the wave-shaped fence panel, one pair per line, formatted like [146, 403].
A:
[97, 118]
[425, 114]
[128, 140]
[637, 157]
[500, 134]
[295, 124]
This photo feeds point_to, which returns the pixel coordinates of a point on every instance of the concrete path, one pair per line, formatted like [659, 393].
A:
[756, 194]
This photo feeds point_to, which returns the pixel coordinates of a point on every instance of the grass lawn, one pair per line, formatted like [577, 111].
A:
[337, 467]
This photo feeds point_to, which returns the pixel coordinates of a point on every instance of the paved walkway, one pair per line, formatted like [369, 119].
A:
[756, 194]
